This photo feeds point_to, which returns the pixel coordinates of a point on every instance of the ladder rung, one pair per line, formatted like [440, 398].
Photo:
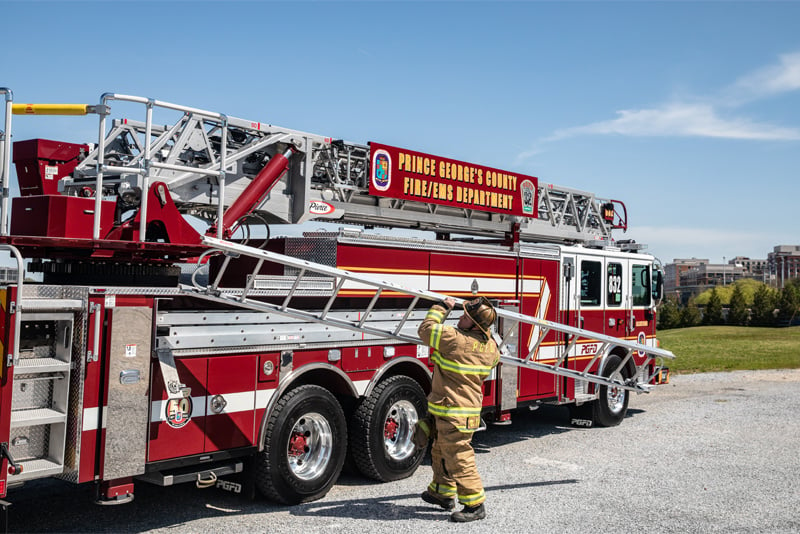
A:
[332, 299]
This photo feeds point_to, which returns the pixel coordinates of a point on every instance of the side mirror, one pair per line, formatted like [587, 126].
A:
[658, 287]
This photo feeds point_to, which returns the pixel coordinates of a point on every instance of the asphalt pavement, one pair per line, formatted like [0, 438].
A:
[715, 452]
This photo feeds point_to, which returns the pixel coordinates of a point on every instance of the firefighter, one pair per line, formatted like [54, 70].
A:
[463, 357]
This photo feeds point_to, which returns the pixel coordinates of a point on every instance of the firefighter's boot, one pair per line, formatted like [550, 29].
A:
[446, 503]
[469, 513]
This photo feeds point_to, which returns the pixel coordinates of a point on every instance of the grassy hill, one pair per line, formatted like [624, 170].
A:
[730, 348]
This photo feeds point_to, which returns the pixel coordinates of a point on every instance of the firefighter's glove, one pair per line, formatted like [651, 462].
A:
[422, 433]
[446, 304]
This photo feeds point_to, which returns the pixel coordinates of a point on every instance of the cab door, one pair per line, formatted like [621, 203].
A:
[616, 292]
[641, 325]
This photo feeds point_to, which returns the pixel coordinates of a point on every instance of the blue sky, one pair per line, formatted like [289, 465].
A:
[689, 112]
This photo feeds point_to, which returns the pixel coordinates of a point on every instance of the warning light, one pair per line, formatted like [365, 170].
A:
[608, 212]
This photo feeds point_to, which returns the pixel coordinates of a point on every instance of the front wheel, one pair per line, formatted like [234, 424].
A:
[304, 448]
[382, 429]
[612, 405]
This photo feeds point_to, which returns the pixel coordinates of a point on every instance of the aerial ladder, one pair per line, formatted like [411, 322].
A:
[227, 171]
[223, 170]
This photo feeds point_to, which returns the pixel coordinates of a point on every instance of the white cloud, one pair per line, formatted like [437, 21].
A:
[771, 80]
[680, 120]
[683, 119]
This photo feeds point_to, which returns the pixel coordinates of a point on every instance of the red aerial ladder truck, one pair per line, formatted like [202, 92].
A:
[170, 338]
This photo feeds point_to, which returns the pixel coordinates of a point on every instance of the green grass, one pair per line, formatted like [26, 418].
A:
[730, 348]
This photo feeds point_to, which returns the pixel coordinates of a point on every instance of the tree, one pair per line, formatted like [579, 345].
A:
[738, 312]
[789, 302]
[765, 300]
[690, 315]
[713, 311]
[669, 313]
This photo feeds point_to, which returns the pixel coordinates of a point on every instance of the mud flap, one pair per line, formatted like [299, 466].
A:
[582, 416]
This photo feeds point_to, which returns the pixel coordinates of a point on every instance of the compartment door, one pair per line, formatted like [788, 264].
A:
[128, 402]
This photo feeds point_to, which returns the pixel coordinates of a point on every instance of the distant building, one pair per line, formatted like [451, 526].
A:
[687, 277]
[7, 274]
[711, 274]
[784, 263]
[752, 268]
[673, 271]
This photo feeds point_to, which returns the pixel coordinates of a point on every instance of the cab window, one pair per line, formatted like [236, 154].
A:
[591, 283]
[614, 284]
[641, 285]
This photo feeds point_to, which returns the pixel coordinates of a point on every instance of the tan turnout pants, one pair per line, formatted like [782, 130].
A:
[453, 462]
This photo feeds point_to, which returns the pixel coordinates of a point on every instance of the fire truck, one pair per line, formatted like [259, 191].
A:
[172, 318]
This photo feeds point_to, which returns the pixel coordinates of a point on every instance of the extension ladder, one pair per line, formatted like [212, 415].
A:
[401, 330]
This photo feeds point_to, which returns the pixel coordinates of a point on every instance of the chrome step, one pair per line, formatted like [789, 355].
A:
[37, 468]
[41, 365]
[38, 416]
[45, 304]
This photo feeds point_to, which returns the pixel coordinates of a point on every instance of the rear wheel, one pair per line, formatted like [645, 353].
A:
[304, 448]
[382, 429]
[612, 405]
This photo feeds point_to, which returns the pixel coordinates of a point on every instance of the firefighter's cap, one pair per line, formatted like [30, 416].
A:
[482, 313]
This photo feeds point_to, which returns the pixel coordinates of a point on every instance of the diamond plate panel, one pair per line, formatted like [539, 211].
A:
[32, 392]
[320, 250]
[29, 442]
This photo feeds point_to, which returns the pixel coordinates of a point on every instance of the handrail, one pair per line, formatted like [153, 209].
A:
[5, 160]
[13, 354]
[147, 164]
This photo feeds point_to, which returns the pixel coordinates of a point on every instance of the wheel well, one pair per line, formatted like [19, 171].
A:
[332, 381]
[406, 367]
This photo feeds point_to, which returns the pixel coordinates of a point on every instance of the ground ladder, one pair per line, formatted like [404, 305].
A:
[404, 329]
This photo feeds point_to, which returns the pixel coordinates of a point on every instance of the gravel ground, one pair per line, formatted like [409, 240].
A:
[707, 453]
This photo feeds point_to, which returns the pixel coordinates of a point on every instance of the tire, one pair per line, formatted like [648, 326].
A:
[382, 428]
[304, 448]
[612, 404]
